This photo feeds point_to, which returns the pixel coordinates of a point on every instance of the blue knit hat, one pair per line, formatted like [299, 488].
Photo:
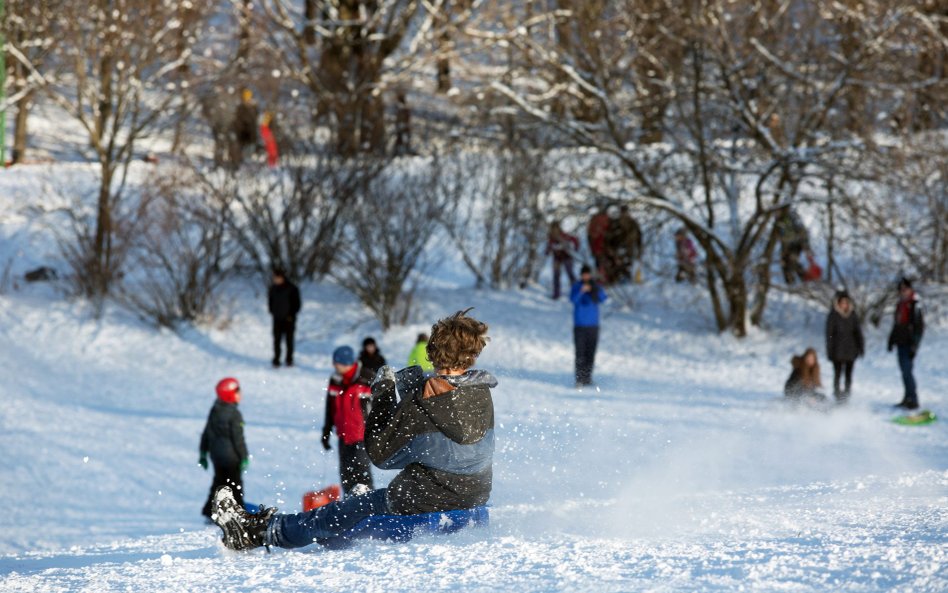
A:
[343, 355]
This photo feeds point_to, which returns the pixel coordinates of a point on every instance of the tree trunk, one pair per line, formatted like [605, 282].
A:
[102, 246]
[736, 289]
[763, 280]
[309, 15]
[719, 317]
[20, 130]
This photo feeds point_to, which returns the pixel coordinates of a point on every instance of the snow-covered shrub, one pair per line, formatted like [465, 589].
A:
[179, 255]
[387, 232]
[292, 217]
[495, 214]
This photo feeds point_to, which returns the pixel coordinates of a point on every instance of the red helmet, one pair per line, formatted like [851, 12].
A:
[228, 390]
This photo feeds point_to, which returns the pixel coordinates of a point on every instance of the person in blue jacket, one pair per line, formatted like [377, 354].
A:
[586, 295]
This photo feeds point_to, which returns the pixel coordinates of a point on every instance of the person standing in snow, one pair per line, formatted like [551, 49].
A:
[283, 301]
[596, 236]
[908, 326]
[269, 139]
[794, 240]
[844, 342]
[804, 381]
[439, 432]
[685, 256]
[623, 241]
[245, 129]
[370, 356]
[562, 246]
[223, 440]
[419, 354]
[586, 296]
[347, 405]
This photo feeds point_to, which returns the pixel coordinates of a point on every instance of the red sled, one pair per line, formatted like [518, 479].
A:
[813, 271]
[320, 498]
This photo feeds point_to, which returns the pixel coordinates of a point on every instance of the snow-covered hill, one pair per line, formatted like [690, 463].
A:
[683, 471]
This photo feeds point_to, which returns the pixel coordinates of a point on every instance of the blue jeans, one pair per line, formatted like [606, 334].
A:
[326, 522]
[908, 379]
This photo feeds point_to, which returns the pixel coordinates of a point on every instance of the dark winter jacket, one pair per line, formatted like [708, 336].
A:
[223, 435]
[347, 404]
[371, 362]
[908, 324]
[844, 340]
[245, 124]
[284, 300]
[443, 443]
[586, 304]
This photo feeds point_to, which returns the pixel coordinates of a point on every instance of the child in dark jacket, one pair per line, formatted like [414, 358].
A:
[347, 402]
[223, 439]
[370, 356]
[438, 429]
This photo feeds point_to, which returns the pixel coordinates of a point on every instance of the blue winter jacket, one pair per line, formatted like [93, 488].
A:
[585, 308]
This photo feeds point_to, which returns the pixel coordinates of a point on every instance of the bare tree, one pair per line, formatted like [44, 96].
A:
[337, 49]
[294, 218]
[29, 29]
[750, 119]
[387, 232]
[180, 255]
[122, 56]
[496, 213]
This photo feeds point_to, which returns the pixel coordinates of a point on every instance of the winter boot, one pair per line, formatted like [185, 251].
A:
[242, 530]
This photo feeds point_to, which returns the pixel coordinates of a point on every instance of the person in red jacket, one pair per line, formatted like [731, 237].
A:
[269, 141]
[347, 402]
[596, 235]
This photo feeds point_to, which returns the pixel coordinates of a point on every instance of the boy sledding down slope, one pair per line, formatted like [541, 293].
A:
[440, 433]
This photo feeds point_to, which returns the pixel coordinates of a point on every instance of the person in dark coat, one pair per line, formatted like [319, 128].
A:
[804, 381]
[245, 127]
[844, 342]
[347, 405]
[223, 440]
[284, 303]
[586, 296]
[623, 242]
[371, 357]
[437, 429]
[561, 245]
[685, 256]
[908, 326]
[794, 240]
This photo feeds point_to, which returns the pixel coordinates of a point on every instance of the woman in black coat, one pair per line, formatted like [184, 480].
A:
[844, 342]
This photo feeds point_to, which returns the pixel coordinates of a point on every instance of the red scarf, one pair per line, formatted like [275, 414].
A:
[904, 314]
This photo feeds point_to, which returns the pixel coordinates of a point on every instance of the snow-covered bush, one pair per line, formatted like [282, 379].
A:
[179, 255]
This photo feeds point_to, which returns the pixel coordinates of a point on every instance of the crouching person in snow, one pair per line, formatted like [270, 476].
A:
[439, 432]
[804, 381]
[223, 439]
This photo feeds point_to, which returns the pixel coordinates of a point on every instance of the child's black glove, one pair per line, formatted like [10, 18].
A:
[325, 439]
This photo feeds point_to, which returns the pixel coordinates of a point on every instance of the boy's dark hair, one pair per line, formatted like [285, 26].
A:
[456, 341]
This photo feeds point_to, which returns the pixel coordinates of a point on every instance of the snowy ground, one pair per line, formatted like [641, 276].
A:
[683, 472]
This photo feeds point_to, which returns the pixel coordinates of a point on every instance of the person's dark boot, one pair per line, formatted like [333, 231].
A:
[242, 530]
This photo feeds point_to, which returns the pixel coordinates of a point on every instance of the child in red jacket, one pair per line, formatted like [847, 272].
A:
[347, 402]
